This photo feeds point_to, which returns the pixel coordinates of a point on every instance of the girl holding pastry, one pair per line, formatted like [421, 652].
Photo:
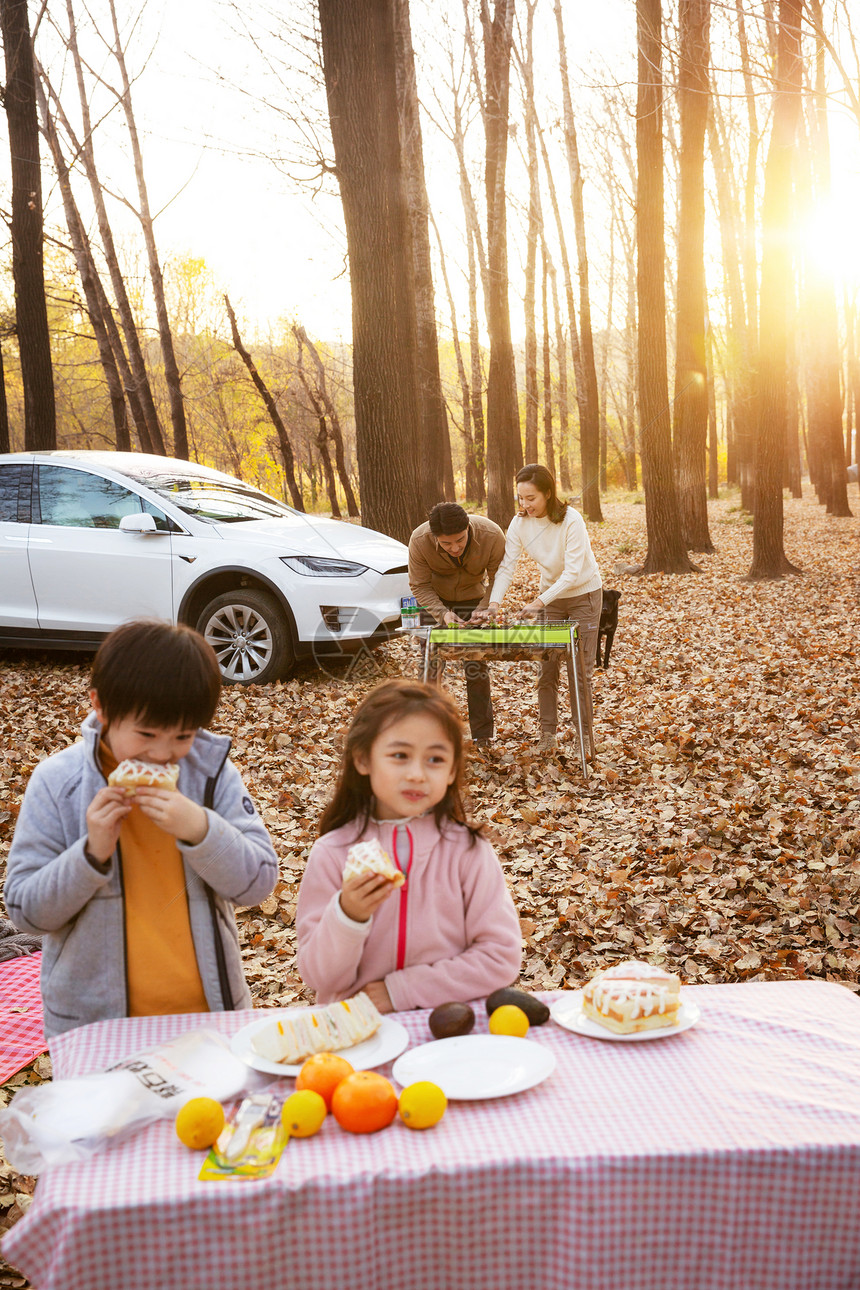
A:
[554, 535]
[431, 920]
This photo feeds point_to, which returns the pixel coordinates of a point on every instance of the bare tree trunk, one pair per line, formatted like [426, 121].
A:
[589, 428]
[473, 478]
[504, 447]
[271, 408]
[436, 472]
[526, 64]
[825, 402]
[713, 433]
[691, 374]
[165, 336]
[561, 360]
[666, 550]
[769, 559]
[5, 442]
[359, 62]
[576, 350]
[549, 454]
[31, 314]
[88, 275]
[746, 416]
[132, 340]
[326, 413]
[738, 364]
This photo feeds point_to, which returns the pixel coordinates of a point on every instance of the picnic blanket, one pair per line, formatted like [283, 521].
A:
[22, 1035]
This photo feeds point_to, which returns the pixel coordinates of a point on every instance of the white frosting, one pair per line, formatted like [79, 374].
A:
[144, 774]
[369, 857]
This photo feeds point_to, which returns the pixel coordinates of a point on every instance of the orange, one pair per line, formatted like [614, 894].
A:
[509, 1020]
[323, 1073]
[303, 1113]
[199, 1122]
[364, 1102]
[422, 1105]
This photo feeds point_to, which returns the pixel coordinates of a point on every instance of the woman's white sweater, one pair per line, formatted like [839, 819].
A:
[563, 552]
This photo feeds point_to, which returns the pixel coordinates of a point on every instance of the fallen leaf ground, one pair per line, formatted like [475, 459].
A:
[720, 835]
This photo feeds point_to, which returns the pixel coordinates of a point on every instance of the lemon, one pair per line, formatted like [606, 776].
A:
[303, 1113]
[199, 1122]
[509, 1020]
[421, 1105]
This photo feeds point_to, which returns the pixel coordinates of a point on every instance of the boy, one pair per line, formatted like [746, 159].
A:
[134, 896]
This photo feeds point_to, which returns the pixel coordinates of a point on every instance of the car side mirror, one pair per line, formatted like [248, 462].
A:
[140, 522]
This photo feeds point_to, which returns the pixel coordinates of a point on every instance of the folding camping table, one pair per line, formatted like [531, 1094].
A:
[515, 643]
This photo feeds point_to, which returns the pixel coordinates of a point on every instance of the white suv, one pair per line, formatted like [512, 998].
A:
[89, 540]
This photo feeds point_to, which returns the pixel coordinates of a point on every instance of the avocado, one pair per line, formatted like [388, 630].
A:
[451, 1019]
[536, 1011]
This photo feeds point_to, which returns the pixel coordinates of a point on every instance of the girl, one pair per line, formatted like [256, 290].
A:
[451, 931]
[554, 535]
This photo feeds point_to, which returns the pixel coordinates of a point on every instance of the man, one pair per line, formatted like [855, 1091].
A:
[453, 560]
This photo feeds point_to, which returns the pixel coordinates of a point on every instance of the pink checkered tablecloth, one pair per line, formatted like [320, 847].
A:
[723, 1158]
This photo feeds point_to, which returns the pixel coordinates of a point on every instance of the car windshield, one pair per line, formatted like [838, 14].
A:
[215, 500]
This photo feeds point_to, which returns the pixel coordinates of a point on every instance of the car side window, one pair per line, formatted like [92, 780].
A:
[76, 499]
[10, 479]
[162, 523]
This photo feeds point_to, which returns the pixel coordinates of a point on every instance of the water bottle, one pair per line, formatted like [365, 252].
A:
[408, 613]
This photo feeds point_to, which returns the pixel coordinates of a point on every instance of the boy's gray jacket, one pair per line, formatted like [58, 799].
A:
[52, 889]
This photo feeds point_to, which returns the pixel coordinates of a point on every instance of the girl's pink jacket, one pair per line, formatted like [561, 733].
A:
[449, 933]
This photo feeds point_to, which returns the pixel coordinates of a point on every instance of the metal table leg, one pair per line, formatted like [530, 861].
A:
[573, 660]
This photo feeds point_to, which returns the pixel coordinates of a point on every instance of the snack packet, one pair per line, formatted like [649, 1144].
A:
[251, 1142]
[69, 1119]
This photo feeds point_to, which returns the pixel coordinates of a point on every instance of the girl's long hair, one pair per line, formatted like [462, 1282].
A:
[532, 473]
[390, 702]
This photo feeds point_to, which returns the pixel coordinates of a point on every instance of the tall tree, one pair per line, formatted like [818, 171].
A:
[31, 314]
[504, 446]
[436, 474]
[666, 550]
[88, 275]
[777, 278]
[825, 394]
[144, 215]
[358, 44]
[271, 407]
[589, 426]
[86, 151]
[691, 373]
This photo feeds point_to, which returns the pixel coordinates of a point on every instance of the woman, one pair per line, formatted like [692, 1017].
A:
[554, 535]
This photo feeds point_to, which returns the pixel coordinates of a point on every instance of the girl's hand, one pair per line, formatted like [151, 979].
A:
[174, 813]
[377, 993]
[361, 896]
[105, 815]
[531, 610]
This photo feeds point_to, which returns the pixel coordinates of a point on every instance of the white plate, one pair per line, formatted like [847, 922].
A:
[388, 1042]
[469, 1068]
[567, 1011]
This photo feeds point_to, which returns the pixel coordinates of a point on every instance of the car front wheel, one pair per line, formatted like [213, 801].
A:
[249, 635]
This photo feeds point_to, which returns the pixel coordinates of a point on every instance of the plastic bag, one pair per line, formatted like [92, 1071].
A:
[69, 1119]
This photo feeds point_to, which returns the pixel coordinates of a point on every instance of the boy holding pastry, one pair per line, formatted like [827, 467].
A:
[134, 844]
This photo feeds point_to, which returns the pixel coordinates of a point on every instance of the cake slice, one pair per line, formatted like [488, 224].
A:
[633, 996]
[369, 857]
[292, 1038]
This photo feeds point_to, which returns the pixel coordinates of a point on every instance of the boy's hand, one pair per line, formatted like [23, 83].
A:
[174, 813]
[105, 815]
[361, 896]
[377, 993]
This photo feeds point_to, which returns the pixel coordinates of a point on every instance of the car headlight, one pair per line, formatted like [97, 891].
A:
[321, 567]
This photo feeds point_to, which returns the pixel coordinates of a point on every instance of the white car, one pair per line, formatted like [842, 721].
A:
[89, 540]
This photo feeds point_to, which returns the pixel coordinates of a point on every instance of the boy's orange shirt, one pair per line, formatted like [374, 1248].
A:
[163, 976]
